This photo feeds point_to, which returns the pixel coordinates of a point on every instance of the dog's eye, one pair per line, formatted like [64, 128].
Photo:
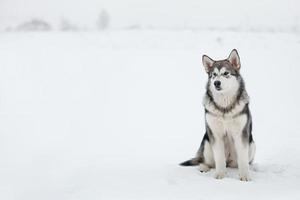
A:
[214, 74]
[226, 73]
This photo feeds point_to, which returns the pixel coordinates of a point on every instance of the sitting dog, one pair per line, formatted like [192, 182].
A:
[228, 139]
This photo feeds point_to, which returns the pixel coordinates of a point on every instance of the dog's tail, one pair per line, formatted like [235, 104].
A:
[191, 162]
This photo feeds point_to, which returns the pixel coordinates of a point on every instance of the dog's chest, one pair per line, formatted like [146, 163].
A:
[221, 126]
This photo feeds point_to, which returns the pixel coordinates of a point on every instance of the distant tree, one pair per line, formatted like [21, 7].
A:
[103, 20]
[34, 25]
[66, 25]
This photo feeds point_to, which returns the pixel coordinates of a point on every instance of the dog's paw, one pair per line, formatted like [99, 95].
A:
[245, 177]
[219, 175]
[203, 168]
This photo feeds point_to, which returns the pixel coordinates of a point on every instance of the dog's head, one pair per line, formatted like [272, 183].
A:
[223, 74]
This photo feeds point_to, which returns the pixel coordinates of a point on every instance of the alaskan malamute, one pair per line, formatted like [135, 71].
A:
[228, 139]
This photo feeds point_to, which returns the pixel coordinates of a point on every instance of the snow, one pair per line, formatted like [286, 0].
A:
[109, 115]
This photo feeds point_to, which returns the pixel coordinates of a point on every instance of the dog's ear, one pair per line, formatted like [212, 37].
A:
[234, 59]
[207, 63]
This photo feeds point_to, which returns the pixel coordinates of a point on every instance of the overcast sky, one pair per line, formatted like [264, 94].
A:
[158, 13]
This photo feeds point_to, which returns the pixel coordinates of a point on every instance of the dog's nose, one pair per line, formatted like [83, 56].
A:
[217, 83]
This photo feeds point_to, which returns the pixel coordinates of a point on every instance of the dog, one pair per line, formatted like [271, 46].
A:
[228, 140]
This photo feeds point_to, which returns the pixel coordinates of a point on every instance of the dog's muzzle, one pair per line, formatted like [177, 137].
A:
[217, 85]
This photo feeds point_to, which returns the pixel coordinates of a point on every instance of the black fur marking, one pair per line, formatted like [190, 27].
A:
[199, 158]
[192, 162]
[251, 138]
[205, 138]
[208, 134]
[247, 131]
[188, 163]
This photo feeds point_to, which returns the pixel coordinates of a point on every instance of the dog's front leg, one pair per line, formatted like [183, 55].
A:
[242, 149]
[219, 157]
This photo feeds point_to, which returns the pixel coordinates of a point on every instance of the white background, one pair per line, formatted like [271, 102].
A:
[110, 114]
[254, 14]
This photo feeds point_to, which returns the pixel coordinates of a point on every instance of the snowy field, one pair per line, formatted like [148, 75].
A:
[109, 115]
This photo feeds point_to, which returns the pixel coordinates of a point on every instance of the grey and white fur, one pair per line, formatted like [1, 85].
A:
[228, 140]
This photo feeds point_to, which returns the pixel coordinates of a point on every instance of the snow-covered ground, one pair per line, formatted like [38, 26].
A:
[109, 115]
